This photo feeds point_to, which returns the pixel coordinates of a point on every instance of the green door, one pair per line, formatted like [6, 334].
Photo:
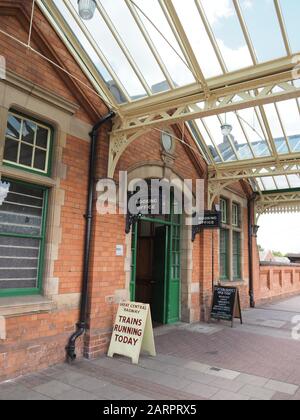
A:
[160, 274]
[174, 275]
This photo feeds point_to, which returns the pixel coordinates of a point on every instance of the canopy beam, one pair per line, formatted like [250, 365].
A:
[221, 101]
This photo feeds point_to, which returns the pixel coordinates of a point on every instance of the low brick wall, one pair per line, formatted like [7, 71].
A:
[278, 280]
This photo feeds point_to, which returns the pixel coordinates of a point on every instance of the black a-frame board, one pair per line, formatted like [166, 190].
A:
[226, 304]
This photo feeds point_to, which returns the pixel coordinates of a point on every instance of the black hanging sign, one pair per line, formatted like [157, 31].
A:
[210, 220]
[143, 206]
[226, 304]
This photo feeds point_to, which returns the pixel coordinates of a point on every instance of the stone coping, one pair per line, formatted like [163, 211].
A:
[277, 264]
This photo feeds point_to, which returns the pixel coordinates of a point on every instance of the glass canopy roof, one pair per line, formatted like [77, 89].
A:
[136, 45]
[140, 49]
[250, 138]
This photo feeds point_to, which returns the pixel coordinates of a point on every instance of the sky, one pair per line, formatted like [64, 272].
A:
[280, 233]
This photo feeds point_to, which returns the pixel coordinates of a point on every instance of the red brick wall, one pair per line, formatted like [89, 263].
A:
[69, 266]
[277, 281]
[37, 341]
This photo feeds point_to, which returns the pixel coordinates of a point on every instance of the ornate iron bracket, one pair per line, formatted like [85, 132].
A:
[196, 230]
[131, 219]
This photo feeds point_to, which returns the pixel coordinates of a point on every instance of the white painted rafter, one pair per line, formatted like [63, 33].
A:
[220, 101]
[255, 169]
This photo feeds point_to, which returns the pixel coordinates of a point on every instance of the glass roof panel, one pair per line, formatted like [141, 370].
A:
[225, 24]
[281, 182]
[252, 125]
[110, 48]
[136, 44]
[290, 116]
[276, 129]
[102, 69]
[174, 61]
[291, 12]
[247, 140]
[269, 183]
[208, 140]
[198, 37]
[263, 25]
[294, 180]
[199, 140]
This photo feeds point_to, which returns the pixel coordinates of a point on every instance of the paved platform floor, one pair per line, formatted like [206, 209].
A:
[259, 360]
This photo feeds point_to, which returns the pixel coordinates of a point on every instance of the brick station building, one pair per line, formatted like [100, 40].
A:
[46, 117]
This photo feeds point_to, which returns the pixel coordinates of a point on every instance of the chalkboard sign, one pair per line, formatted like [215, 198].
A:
[226, 304]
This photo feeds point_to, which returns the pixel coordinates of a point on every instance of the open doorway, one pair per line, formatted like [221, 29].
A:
[156, 272]
[151, 268]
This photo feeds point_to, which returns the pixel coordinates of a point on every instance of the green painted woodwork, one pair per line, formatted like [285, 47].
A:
[224, 254]
[160, 275]
[42, 238]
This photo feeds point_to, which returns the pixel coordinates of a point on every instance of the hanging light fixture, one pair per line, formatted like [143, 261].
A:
[226, 128]
[4, 189]
[86, 9]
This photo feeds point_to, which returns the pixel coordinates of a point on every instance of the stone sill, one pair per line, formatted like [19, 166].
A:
[234, 283]
[18, 306]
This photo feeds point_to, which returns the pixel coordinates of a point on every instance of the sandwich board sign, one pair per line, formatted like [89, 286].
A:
[226, 305]
[132, 332]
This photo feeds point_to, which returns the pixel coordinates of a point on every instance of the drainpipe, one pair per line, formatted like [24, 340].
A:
[82, 324]
[250, 250]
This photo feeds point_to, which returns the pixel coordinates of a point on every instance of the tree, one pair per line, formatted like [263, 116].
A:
[277, 254]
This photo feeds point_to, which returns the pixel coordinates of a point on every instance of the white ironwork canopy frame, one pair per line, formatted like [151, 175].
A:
[254, 87]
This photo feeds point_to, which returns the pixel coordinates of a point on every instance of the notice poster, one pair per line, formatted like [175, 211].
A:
[132, 332]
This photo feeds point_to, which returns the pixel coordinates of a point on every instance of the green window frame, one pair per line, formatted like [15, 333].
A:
[236, 255]
[37, 237]
[230, 241]
[224, 254]
[224, 210]
[28, 144]
[236, 212]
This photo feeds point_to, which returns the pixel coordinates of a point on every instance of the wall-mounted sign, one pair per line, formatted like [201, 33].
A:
[209, 220]
[119, 250]
[226, 305]
[132, 332]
